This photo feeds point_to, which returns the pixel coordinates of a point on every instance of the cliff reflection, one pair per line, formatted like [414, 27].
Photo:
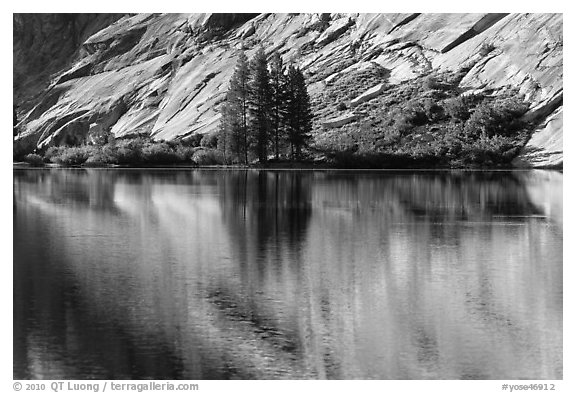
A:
[264, 274]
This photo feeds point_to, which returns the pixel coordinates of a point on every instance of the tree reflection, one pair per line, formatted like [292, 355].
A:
[266, 213]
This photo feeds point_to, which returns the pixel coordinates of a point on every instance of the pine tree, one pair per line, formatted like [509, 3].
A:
[259, 105]
[298, 113]
[263, 107]
[234, 132]
[277, 86]
[227, 143]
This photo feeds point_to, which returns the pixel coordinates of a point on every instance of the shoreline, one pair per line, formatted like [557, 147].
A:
[24, 165]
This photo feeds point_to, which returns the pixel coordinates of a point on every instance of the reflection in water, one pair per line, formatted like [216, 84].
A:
[131, 274]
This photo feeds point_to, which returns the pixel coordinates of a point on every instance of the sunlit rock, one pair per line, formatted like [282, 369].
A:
[368, 94]
[340, 120]
[166, 75]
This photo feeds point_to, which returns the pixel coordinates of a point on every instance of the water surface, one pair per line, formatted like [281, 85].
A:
[191, 274]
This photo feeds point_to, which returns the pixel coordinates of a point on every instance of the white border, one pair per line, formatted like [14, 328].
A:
[567, 385]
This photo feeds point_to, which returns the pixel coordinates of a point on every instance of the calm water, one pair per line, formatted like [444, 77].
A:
[180, 274]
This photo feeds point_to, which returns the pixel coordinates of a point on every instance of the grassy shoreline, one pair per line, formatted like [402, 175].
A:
[292, 166]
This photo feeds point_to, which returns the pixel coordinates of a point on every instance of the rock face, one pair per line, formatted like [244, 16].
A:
[166, 75]
[340, 120]
[46, 44]
[544, 149]
[368, 94]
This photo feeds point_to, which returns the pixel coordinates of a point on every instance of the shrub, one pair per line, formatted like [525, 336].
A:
[490, 150]
[458, 108]
[387, 139]
[109, 153]
[52, 153]
[34, 159]
[101, 155]
[342, 106]
[336, 141]
[452, 138]
[128, 151]
[434, 82]
[431, 82]
[185, 153]
[159, 153]
[98, 158]
[126, 155]
[99, 136]
[510, 108]
[402, 125]
[210, 141]
[430, 153]
[412, 115]
[433, 111]
[208, 157]
[486, 48]
[482, 122]
[415, 113]
[193, 140]
[500, 117]
[73, 156]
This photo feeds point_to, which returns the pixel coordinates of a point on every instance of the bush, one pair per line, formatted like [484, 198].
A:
[109, 153]
[210, 141]
[102, 156]
[490, 150]
[432, 82]
[73, 156]
[415, 113]
[433, 111]
[510, 108]
[486, 48]
[482, 122]
[159, 153]
[185, 153]
[193, 140]
[342, 106]
[498, 117]
[128, 151]
[208, 157]
[99, 136]
[34, 159]
[457, 108]
[412, 115]
[52, 153]
[97, 159]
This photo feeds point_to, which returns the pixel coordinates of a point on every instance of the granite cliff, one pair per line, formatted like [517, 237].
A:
[166, 75]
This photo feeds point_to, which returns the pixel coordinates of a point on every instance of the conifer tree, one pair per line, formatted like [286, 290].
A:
[260, 97]
[234, 132]
[228, 142]
[277, 87]
[298, 113]
[264, 106]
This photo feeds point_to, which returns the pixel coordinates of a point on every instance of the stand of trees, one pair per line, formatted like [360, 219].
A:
[267, 111]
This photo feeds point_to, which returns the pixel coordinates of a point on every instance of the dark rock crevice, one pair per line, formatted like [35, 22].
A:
[480, 26]
[404, 21]
[541, 112]
[79, 71]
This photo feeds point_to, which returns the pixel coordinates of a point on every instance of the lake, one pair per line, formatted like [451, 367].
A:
[247, 274]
